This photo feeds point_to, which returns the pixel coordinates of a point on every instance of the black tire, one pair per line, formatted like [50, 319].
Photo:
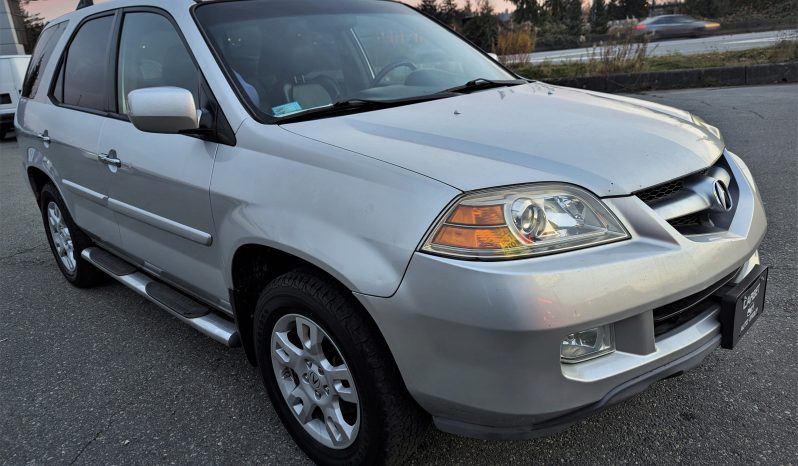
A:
[391, 421]
[84, 275]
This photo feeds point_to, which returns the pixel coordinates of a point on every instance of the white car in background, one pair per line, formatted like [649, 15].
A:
[12, 73]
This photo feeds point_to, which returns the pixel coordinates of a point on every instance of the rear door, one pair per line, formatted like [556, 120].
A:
[160, 191]
[63, 127]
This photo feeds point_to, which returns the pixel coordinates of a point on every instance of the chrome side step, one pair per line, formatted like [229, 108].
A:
[186, 309]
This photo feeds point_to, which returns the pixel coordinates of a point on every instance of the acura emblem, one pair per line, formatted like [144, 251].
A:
[314, 380]
[723, 200]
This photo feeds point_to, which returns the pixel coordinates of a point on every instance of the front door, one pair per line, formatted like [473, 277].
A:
[161, 182]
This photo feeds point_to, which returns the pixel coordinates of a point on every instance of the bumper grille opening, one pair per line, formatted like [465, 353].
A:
[677, 313]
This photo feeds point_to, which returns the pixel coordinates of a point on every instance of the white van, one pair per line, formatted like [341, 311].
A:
[12, 73]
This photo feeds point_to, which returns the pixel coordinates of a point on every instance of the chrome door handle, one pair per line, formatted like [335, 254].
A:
[44, 137]
[109, 160]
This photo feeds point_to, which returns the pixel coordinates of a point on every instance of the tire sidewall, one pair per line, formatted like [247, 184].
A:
[273, 305]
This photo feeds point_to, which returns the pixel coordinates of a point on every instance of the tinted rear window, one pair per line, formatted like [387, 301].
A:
[41, 57]
[84, 74]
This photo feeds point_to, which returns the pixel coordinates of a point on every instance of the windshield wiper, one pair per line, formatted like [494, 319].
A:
[480, 84]
[358, 105]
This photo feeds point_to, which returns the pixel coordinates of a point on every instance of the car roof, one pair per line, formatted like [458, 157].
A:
[78, 15]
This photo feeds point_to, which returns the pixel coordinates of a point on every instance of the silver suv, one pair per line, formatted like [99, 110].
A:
[395, 228]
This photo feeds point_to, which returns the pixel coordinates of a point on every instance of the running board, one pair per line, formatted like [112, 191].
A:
[186, 309]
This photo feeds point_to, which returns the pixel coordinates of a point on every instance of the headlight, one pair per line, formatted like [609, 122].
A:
[522, 222]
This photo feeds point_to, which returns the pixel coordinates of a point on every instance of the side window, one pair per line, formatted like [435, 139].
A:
[41, 57]
[83, 77]
[151, 54]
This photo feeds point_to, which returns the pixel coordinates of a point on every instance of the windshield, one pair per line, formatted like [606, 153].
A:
[289, 57]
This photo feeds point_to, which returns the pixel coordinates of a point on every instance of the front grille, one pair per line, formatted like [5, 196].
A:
[660, 192]
[665, 190]
[677, 313]
[683, 202]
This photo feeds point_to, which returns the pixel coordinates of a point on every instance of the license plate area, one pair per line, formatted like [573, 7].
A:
[741, 306]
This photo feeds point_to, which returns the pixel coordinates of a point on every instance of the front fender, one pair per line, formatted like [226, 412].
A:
[357, 218]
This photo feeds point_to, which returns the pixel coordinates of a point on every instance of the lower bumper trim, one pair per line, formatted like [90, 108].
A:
[556, 424]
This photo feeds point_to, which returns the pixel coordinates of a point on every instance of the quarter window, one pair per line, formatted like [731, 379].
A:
[84, 75]
[152, 54]
[41, 57]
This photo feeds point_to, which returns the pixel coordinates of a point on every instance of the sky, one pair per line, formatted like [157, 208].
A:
[51, 9]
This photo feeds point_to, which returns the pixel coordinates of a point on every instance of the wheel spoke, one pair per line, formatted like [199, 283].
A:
[342, 382]
[51, 217]
[287, 353]
[309, 335]
[301, 405]
[339, 430]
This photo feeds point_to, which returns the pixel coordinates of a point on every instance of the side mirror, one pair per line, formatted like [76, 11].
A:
[168, 110]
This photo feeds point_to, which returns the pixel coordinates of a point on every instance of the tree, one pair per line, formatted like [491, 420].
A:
[33, 23]
[448, 11]
[483, 29]
[598, 17]
[615, 11]
[556, 9]
[572, 16]
[635, 8]
[429, 7]
[527, 11]
[468, 9]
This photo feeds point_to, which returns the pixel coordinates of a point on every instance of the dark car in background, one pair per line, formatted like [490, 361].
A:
[673, 26]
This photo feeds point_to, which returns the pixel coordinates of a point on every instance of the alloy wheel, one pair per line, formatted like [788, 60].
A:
[62, 239]
[315, 381]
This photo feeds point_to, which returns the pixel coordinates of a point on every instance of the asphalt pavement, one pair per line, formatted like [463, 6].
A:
[101, 376]
[720, 43]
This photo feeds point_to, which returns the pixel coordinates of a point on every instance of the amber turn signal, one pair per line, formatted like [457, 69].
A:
[492, 215]
[476, 238]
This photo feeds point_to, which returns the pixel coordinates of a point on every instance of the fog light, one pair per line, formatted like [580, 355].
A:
[587, 344]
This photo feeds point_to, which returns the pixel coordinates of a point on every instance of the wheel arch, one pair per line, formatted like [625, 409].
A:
[253, 267]
[38, 179]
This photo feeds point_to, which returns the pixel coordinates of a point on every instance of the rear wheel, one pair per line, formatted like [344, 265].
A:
[330, 376]
[67, 241]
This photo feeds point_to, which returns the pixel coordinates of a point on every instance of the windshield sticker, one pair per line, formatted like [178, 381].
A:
[286, 109]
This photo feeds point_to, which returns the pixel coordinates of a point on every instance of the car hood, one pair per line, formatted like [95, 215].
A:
[535, 132]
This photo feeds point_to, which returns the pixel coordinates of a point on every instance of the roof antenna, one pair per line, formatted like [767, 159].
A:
[84, 4]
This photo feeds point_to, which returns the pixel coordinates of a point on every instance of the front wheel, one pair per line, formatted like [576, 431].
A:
[329, 374]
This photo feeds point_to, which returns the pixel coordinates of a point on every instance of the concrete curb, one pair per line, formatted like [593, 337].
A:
[679, 79]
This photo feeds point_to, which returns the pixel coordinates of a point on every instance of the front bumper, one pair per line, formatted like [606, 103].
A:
[478, 343]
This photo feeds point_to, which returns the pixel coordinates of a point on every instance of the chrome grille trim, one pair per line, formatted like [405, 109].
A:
[695, 195]
[691, 203]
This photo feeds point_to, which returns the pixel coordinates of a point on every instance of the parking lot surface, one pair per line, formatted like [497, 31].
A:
[101, 376]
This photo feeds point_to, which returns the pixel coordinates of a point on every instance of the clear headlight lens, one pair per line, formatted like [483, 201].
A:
[522, 222]
[587, 344]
